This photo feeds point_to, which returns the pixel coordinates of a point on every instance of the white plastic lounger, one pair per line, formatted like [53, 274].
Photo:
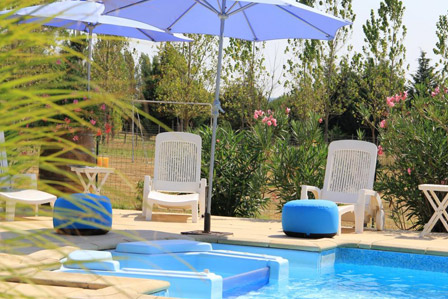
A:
[28, 196]
[177, 170]
[349, 178]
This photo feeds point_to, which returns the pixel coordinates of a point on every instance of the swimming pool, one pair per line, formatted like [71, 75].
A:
[339, 273]
[194, 269]
[354, 273]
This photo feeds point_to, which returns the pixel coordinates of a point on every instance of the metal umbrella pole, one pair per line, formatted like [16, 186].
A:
[216, 109]
[90, 56]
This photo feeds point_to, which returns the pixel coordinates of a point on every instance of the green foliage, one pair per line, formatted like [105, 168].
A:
[374, 86]
[441, 48]
[246, 81]
[40, 82]
[315, 75]
[415, 141]
[297, 159]
[187, 76]
[383, 71]
[139, 191]
[240, 174]
[424, 79]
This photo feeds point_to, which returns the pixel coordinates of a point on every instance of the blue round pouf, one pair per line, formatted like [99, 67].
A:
[82, 214]
[310, 218]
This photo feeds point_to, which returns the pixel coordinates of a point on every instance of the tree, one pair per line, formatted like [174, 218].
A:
[441, 48]
[424, 80]
[187, 76]
[149, 75]
[314, 69]
[245, 77]
[383, 70]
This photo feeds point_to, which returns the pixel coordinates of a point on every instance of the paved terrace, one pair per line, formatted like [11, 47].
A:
[30, 237]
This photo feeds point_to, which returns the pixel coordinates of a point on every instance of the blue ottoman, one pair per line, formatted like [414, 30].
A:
[82, 214]
[310, 218]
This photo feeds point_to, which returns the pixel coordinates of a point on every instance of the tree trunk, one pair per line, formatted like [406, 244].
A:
[58, 177]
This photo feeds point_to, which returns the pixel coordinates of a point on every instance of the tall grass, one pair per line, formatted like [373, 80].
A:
[34, 88]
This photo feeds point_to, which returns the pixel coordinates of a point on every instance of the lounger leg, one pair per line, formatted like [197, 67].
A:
[148, 212]
[359, 218]
[340, 224]
[144, 207]
[10, 210]
[194, 212]
[36, 210]
[380, 220]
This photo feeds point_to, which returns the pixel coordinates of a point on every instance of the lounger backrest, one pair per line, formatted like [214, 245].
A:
[177, 163]
[351, 166]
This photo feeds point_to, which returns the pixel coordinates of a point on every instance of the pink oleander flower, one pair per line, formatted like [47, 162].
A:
[67, 120]
[383, 124]
[321, 120]
[103, 107]
[75, 101]
[93, 122]
[288, 110]
[255, 115]
[269, 123]
[409, 171]
[269, 111]
[217, 140]
[75, 138]
[274, 122]
[380, 150]
[435, 92]
[265, 119]
[390, 101]
[58, 62]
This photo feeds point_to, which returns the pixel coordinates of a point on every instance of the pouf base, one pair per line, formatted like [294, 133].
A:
[81, 232]
[310, 219]
[310, 236]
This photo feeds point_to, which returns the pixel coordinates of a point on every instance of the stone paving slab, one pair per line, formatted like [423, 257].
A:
[41, 247]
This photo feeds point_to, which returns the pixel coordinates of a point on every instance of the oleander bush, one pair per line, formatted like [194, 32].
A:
[275, 156]
[298, 158]
[240, 173]
[414, 139]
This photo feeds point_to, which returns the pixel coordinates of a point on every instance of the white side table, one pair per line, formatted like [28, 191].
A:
[438, 205]
[90, 174]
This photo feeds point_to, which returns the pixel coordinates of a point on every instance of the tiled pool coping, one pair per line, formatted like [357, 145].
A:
[130, 226]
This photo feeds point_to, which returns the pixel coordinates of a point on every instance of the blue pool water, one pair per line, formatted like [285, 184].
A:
[353, 273]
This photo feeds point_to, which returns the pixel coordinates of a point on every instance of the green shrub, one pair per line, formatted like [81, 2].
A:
[415, 142]
[240, 175]
[297, 159]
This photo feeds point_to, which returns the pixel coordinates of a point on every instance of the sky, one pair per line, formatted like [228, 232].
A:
[420, 18]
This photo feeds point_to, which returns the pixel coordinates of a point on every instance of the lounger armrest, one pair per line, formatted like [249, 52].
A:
[374, 196]
[305, 189]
